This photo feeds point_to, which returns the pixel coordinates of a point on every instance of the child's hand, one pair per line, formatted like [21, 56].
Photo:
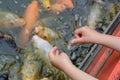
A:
[85, 35]
[59, 60]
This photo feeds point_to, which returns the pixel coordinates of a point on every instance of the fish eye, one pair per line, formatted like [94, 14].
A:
[48, 7]
[11, 23]
[45, 37]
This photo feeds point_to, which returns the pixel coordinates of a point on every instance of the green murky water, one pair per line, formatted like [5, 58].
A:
[11, 61]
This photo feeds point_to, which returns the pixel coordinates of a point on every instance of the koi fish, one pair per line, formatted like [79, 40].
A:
[46, 34]
[94, 16]
[99, 1]
[43, 45]
[31, 16]
[46, 3]
[31, 63]
[30, 70]
[10, 20]
[67, 3]
[5, 36]
[111, 11]
[61, 5]
[44, 79]
[36, 61]
[58, 7]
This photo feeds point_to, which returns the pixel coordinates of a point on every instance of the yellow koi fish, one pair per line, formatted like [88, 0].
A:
[46, 3]
[46, 33]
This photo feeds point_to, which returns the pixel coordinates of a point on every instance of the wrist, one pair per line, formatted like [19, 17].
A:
[76, 74]
[66, 66]
[98, 39]
[69, 69]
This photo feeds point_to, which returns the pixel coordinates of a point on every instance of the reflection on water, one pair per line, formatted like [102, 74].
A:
[63, 24]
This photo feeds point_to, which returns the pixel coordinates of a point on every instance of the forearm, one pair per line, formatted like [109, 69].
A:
[75, 74]
[109, 41]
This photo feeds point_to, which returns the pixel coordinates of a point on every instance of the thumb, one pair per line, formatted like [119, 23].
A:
[76, 41]
[53, 52]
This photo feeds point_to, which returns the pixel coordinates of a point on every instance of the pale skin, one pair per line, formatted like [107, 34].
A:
[88, 35]
[82, 35]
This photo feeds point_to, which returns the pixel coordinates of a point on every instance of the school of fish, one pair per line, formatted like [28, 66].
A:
[36, 39]
[43, 36]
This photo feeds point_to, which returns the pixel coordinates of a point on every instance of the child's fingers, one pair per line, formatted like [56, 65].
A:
[78, 35]
[76, 41]
[54, 51]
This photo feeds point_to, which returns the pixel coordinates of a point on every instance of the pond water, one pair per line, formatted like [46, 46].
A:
[13, 59]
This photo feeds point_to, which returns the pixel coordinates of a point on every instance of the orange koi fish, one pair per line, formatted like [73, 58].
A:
[67, 3]
[58, 7]
[61, 5]
[31, 16]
